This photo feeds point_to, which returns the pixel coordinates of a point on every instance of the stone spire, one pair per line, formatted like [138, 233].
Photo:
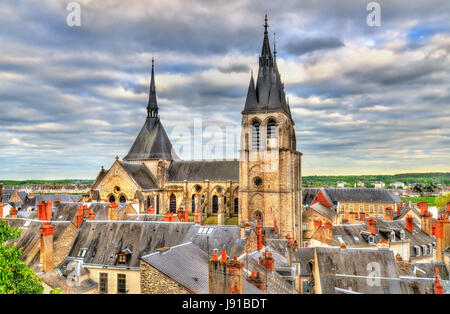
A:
[152, 107]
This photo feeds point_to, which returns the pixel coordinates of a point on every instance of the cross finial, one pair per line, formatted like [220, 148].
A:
[265, 23]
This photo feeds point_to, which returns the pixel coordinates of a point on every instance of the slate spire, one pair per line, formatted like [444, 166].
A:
[152, 107]
[268, 93]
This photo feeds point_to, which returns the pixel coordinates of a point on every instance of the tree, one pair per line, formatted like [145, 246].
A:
[442, 201]
[15, 276]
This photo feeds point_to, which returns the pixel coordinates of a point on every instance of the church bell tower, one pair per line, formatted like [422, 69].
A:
[270, 166]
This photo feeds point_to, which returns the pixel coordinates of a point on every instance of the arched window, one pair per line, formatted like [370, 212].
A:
[215, 204]
[271, 129]
[173, 203]
[149, 202]
[193, 203]
[157, 204]
[112, 199]
[255, 135]
[122, 199]
[236, 205]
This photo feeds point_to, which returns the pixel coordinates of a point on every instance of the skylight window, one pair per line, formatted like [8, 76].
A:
[340, 239]
[27, 223]
[200, 230]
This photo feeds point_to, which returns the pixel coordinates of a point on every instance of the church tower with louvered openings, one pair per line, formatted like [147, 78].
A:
[270, 165]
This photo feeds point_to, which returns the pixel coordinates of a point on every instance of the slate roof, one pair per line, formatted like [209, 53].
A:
[405, 210]
[67, 211]
[220, 170]
[356, 235]
[342, 268]
[217, 237]
[140, 237]
[308, 195]
[425, 270]
[187, 264]
[326, 212]
[359, 195]
[55, 280]
[29, 239]
[143, 217]
[151, 143]
[305, 256]
[141, 175]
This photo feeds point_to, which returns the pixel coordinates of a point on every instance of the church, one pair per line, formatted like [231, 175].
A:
[263, 185]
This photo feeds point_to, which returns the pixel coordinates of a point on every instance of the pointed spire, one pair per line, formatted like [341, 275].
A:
[152, 108]
[266, 54]
[251, 101]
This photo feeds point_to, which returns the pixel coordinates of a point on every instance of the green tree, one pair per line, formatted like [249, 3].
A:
[15, 276]
[442, 201]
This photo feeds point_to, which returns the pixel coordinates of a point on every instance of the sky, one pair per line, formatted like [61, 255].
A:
[364, 99]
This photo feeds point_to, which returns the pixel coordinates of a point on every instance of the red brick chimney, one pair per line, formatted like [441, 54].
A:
[225, 275]
[275, 226]
[423, 205]
[438, 289]
[371, 225]
[113, 211]
[1, 210]
[258, 230]
[47, 246]
[267, 260]
[79, 217]
[409, 223]
[13, 212]
[448, 208]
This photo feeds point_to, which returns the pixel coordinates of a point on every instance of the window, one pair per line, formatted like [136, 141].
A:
[103, 283]
[193, 203]
[306, 286]
[342, 208]
[402, 234]
[424, 249]
[121, 283]
[257, 181]
[236, 205]
[82, 252]
[271, 133]
[339, 237]
[380, 208]
[255, 135]
[112, 199]
[371, 239]
[122, 259]
[361, 208]
[198, 188]
[122, 199]
[215, 204]
[157, 204]
[173, 203]
[371, 208]
[417, 250]
[430, 248]
[351, 208]
[392, 236]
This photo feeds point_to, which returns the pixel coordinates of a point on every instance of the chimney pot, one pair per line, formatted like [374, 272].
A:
[410, 223]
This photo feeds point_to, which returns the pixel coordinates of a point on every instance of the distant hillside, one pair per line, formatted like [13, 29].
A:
[318, 181]
[27, 182]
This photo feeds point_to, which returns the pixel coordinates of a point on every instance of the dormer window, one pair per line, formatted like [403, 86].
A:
[424, 249]
[392, 236]
[417, 250]
[122, 257]
[402, 235]
[371, 239]
[82, 252]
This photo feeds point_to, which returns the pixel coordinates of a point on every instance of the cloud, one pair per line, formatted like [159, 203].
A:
[364, 100]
